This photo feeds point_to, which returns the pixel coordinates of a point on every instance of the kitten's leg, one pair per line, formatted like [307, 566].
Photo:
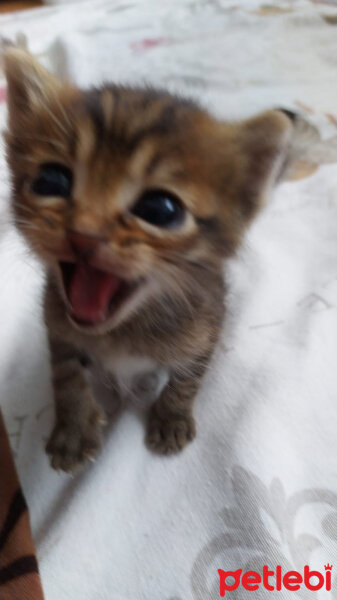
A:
[77, 432]
[171, 423]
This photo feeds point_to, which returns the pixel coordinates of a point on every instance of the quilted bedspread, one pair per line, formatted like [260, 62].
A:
[259, 484]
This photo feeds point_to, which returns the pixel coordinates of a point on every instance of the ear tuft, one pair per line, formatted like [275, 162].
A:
[265, 142]
[29, 85]
[289, 113]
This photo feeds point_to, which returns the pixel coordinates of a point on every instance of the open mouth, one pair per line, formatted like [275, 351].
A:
[93, 294]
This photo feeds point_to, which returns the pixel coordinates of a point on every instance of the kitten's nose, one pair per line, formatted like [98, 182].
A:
[84, 244]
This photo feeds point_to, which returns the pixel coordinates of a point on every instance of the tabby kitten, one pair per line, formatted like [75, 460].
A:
[131, 198]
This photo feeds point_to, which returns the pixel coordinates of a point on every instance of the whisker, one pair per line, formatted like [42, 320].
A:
[33, 138]
[175, 290]
[25, 157]
[28, 209]
[64, 114]
[28, 226]
[192, 262]
[55, 119]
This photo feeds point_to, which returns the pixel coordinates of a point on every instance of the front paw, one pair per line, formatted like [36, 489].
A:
[170, 434]
[73, 442]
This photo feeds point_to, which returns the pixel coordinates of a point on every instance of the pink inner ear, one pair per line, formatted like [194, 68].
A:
[3, 94]
[90, 293]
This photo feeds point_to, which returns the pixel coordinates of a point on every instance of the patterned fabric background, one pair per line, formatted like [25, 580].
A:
[259, 485]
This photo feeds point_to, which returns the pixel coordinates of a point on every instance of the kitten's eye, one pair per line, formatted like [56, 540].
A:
[53, 180]
[159, 208]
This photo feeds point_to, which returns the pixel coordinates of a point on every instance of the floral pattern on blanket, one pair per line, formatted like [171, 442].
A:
[246, 526]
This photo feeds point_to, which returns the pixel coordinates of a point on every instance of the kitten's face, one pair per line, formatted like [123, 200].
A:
[128, 194]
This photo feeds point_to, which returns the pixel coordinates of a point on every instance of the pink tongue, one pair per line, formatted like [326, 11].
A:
[90, 292]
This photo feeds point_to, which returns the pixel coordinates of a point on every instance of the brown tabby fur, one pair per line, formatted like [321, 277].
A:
[119, 141]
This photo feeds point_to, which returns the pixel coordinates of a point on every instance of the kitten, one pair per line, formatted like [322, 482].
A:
[132, 198]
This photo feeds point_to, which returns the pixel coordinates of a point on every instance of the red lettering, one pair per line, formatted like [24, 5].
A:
[266, 574]
[224, 586]
[292, 580]
[308, 575]
[251, 580]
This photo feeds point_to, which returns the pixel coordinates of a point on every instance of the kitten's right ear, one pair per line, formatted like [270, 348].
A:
[264, 143]
[29, 86]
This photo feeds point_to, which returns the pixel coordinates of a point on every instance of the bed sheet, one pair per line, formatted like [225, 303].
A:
[259, 484]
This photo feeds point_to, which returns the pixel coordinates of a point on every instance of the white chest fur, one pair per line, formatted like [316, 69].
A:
[138, 377]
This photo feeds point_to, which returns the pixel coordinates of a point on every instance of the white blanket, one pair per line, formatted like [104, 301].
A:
[259, 484]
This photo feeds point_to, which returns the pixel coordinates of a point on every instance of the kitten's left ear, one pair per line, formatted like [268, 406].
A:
[29, 86]
[264, 143]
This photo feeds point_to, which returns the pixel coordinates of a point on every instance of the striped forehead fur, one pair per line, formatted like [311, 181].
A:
[124, 117]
